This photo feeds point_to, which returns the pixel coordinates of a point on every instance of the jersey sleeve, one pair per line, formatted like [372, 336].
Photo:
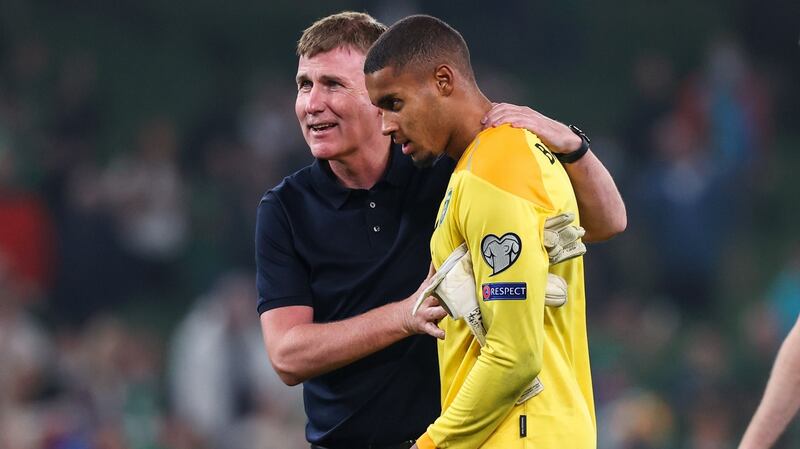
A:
[504, 234]
[282, 278]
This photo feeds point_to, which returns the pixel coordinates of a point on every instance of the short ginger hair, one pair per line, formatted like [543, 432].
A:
[355, 30]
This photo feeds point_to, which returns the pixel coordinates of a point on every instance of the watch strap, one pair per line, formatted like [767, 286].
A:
[568, 158]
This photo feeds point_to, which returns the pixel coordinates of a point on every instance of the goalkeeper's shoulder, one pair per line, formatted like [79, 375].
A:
[501, 159]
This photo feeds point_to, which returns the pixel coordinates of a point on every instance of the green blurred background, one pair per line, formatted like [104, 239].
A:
[136, 139]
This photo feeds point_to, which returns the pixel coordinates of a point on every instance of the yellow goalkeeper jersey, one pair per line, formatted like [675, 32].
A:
[506, 184]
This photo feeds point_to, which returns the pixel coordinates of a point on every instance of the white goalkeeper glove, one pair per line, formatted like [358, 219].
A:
[562, 239]
[454, 285]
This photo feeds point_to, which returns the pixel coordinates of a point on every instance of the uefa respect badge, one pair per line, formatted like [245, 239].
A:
[509, 291]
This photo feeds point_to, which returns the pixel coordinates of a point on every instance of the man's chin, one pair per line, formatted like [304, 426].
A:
[324, 151]
[423, 161]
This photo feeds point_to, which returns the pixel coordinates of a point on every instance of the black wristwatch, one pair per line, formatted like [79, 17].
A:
[569, 158]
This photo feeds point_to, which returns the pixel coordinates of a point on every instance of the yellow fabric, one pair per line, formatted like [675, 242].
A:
[425, 442]
[505, 183]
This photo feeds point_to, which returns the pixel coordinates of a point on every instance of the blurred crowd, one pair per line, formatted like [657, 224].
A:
[127, 301]
[127, 296]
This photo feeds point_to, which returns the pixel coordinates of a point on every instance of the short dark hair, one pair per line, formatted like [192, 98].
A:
[356, 30]
[419, 40]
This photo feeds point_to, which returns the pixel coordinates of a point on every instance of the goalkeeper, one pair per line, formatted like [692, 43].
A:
[504, 189]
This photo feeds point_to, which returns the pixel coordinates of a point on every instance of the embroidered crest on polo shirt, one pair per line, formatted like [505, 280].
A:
[501, 252]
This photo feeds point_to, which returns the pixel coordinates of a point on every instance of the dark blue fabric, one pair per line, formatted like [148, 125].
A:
[322, 245]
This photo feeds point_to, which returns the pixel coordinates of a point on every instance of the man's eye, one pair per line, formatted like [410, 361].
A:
[304, 85]
[396, 104]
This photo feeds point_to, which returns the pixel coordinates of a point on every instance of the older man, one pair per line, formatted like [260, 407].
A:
[342, 246]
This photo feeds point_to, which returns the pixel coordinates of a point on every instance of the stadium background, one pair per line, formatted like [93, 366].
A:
[137, 137]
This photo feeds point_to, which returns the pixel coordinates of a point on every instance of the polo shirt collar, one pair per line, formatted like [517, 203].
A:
[397, 175]
[326, 184]
[400, 167]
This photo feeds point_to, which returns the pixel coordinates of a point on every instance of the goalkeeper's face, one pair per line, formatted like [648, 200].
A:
[332, 104]
[412, 112]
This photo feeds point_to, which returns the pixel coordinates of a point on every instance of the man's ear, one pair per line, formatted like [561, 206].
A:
[444, 79]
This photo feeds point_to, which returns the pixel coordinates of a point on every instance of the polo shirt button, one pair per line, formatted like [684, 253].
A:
[372, 204]
[376, 228]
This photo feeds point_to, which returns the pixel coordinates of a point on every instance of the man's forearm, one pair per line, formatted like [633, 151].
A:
[311, 349]
[602, 210]
[601, 207]
[781, 398]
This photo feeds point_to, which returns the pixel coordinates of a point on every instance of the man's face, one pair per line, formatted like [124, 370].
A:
[412, 112]
[332, 104]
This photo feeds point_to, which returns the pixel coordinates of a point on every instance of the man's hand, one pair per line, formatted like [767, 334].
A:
[562, 240]
[426, 314]
[556, 135]
[453, 285]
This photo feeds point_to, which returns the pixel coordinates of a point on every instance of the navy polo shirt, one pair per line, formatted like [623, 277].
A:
[343, 252]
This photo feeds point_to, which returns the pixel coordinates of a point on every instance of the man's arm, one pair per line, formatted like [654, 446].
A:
[300, 349]
[600, 205]
[781, 398]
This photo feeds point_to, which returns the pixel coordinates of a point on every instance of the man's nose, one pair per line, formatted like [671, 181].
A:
[315, 102]
[388, 126]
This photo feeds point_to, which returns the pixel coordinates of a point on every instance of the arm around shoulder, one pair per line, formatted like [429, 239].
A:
[600, 205]
[602, 209]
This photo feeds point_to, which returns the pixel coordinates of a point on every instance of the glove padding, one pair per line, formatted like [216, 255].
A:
[555, 293]
[453, 284]
[562, 239]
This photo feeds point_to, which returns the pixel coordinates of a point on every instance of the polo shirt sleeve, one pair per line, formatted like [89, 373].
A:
[282, 278]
